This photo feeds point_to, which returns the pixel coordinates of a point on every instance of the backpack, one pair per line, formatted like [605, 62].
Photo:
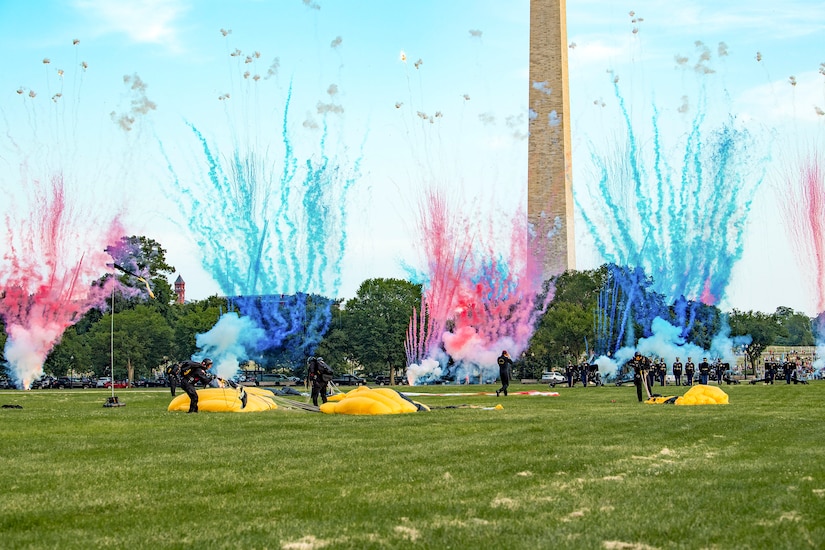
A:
[173, 370]
[326, 371]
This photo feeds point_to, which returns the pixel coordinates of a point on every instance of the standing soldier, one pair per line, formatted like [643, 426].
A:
[662, 372]
[190, 374]
[720, 371]
[584, 371]
[704, 371]
[641, 366]
[789, 366]
[569, 371]
[505, 371]
[677, 371]
[650, 373]
[319, 374]
[770, 373]
[690, 369]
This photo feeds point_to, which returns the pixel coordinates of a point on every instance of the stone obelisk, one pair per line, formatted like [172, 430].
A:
[549, 170]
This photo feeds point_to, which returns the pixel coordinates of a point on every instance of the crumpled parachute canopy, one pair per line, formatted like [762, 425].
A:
[227, 400]
[697, 395]
[371, 401]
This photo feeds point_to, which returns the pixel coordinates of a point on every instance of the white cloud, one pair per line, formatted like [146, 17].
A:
[778, 103]
[143, 21]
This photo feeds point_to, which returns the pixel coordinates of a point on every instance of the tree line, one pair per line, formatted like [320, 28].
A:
[367, 332]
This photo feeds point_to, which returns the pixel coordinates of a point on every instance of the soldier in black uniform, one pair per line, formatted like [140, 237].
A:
[505, 371]
[641, 366]
[690, 369]
[319, 374]
[677, 371]
[720, 370]
[584, 372]
[569, 371]
[661, 372]
[704, 371]
[770, 373]
[190, 374]
[650, 375]
[789, 366]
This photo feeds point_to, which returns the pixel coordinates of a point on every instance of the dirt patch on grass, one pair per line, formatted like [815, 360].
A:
[409, 533]
[504, 502]
[619, 545]
[306, 543]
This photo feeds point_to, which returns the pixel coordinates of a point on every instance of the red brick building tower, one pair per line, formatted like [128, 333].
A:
[180, 290]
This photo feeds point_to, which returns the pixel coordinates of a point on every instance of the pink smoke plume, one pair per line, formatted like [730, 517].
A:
[47, 274]
[478, 299]
[804, 215]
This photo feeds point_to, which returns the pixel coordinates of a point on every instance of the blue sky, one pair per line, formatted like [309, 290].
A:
[474, 71]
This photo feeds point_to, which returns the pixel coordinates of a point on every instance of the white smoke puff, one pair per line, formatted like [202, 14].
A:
[667, 343]
[26, 351]
[323, 108]
[336, 42]
[607, 366]
[231, 339]
[487, 118]
[723, 346]
[429, 370]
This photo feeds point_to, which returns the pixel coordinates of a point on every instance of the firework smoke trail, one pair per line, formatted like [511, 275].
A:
[47, 276]
[686, 233]
[803, 209]
[490, 300]
[269, 228]
[804, 215]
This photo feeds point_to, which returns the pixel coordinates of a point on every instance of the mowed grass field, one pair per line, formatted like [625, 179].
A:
[590, 468]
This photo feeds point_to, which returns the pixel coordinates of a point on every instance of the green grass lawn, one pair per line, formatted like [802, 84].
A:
[591, 468]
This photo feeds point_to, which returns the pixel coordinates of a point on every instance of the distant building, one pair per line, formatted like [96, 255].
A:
[180, 290]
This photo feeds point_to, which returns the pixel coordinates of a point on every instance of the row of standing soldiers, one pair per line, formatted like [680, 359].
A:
[775, 369]
[584, 372]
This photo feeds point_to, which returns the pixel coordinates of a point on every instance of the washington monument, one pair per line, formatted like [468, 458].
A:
[549, 166]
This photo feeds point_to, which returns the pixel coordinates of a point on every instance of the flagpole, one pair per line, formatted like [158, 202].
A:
[112, 346]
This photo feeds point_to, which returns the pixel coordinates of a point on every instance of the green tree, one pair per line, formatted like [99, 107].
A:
[335, 347]
[376, 322]
[761, 327]
[563, 330]
[566, 329]
[141, 339]
[795, 328]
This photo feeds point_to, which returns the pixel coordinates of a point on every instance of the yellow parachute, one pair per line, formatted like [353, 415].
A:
[368, 401]
[227, 400]
[697, 395]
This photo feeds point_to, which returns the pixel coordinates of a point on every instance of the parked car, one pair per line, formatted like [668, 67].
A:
[271, 379]
[44, 382]
[157, 383]
[553, 378]
[384, 380]
[119, 384]
[347, 379]
[141, 383]
[66, 382]
[101, 382]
